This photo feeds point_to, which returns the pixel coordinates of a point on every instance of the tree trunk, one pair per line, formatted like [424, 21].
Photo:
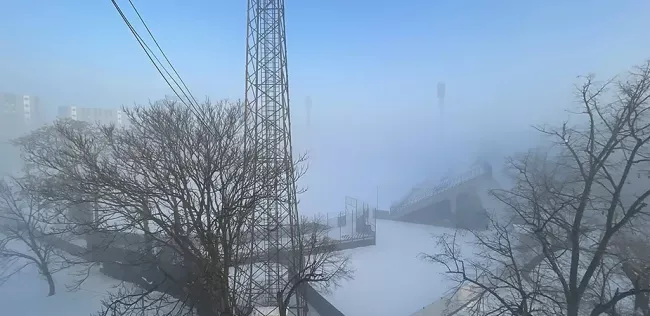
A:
[148, 239]
[573, 307]
[642, 300]
[224, 298]
[641, 281]
[282, 309]
[50, 282]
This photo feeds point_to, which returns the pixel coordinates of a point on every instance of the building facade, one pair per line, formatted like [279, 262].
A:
[21, 111]
[19, 114]
[93, 115]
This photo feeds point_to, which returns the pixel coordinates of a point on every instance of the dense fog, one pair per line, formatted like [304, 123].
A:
[363, 80]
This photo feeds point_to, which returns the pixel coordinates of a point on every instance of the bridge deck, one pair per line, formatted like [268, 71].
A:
[438, 206]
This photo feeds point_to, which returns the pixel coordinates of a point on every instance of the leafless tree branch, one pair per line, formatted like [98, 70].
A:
[569, 205]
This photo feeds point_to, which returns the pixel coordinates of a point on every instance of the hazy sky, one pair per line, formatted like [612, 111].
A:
[370, 67]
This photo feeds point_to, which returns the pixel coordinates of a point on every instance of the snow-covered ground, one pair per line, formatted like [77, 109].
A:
[390, 278]
[25, 294]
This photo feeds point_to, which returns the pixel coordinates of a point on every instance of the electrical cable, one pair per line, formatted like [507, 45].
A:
[147, 51]
[161, 51]
[153, 58]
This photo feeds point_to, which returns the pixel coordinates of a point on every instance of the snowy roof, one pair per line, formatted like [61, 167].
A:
[390, 278]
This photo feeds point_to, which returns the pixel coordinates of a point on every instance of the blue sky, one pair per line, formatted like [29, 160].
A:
[370, 67]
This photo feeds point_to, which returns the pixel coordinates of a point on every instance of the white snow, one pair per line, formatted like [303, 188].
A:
[390, 278]
[25, 294]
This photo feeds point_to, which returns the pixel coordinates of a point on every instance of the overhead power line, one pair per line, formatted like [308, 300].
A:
[179, 89]
[162, 52]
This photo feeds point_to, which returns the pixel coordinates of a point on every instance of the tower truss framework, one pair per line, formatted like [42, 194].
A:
[274, 223]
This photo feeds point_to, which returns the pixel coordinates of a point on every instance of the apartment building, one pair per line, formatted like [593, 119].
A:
[19, 114]
[20, 111]
[93, 115]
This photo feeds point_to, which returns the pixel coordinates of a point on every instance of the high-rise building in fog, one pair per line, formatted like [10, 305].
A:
[93, 115]
[20, 111]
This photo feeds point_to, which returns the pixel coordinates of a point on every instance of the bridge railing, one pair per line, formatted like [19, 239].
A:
[418, 194]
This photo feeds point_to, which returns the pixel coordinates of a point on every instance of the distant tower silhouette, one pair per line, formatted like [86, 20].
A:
[441, 98]
[441, 105]
[308, 106]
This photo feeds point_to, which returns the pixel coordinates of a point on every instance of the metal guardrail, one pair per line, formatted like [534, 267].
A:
[419, 194]
[357, 222]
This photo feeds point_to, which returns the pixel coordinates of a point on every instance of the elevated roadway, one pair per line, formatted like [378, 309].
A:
[461, 201]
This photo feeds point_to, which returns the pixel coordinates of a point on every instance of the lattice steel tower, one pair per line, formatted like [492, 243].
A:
[268, 126]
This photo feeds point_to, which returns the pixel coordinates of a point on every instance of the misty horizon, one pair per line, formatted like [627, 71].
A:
[363, 82]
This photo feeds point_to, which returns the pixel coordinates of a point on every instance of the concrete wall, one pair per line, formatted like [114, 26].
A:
[319, 303]
[382, 214]
[453, 305]
[312, 311]
[357, 243]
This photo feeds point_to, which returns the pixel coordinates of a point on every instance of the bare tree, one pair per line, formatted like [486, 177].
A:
[567, 206]
[325, 265]
[24, 219]
[172, 197]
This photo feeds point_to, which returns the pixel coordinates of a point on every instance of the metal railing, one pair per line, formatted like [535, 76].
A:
[356, 222]
[418, 194]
